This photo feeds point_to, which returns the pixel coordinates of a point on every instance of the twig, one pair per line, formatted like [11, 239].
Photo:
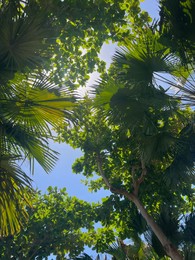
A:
[136, 183]
[100, 168]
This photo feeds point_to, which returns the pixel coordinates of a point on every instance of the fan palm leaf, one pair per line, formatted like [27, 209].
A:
[18, 140]
[36, 101]
[156, 146]
[23, 38]
[136, 100]
[121, 251]
[182, 166]
[136, 67]
[30, 108]
[31, 104]
[104, 92]
[14, 196]
[177, 27]
[190, 227]
[139, 60]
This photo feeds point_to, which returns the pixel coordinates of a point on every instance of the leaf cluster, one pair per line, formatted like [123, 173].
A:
[57, 225]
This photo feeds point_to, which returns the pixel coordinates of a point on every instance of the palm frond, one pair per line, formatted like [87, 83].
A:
[138, 60]
[25, 143]
[182, 166]
[141, 109]
[22, 42]
[155, 147]
[37, 101]
[176, 24]
[189, 229]
[104, 92]
[117, 251]
[186, 87]
[14, 196]
[30, 107]
[83, 256]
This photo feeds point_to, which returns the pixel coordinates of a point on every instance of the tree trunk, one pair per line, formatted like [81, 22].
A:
[169, 248]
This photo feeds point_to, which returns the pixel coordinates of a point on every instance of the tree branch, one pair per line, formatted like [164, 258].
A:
[136, 183]
[167, 245]
[110, 187]
[100, 168]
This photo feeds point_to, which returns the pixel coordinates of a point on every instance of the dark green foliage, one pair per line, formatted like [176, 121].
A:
[181, 169]
[177, 22]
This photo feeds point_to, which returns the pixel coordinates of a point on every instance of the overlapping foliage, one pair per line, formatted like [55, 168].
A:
[140, 141]
[135, 134]
[55, 226]
[45, 47]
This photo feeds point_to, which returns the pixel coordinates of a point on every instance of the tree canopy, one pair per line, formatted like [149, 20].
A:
[46, 50]
[139, 139]
[135, 132]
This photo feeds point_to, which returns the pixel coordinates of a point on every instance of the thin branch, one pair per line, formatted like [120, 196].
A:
[111, 188]
[134, 168]
[100, 168]
[136, 183]
[144, 171]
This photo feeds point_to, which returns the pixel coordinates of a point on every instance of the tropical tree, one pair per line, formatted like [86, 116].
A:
[29, 102]
[69, 39]
[56, 226]
[27, 114]
[44, 47]
[139, 141]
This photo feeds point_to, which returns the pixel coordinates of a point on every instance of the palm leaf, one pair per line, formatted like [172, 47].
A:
[121, 251]
[155, 147]
[188, 232]
[23, 142]
[38, 102]
[104, 92]
[182, 166]
[189, 229]
[136, 96]
[29, 108]
[117, 251]
[186, 87]
[138, 60]
[139, 109]
[30, 105]
[13, 196]
[177, 27]
[83, 256]
[22, 38]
